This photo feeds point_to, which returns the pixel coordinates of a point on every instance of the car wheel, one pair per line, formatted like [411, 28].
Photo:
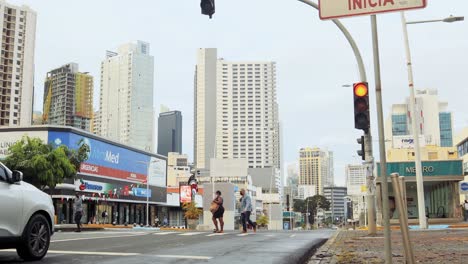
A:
[36, 239]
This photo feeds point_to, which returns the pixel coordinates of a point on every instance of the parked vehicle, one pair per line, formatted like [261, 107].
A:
[26, 216]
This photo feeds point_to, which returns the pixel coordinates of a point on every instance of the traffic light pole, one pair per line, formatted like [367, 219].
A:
[367, 138]
[370, 202]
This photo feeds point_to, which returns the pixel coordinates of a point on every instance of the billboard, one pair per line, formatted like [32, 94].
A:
[108, 160]
[8, 139]
[185, 194]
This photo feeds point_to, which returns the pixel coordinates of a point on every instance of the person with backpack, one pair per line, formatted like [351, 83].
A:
[465, 210]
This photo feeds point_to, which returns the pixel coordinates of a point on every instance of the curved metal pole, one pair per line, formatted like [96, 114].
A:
[352, 43]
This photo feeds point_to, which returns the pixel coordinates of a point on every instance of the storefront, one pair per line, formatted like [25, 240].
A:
[441, 194]
[112, 181]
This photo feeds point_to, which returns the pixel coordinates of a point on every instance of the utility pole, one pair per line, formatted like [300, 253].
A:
[383, 158]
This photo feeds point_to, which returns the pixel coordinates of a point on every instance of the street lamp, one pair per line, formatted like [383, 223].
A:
[147, 186]
[419, 177]
[449, 19]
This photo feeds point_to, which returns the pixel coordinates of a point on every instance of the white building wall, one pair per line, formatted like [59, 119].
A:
[247, 113]
[205, 107]
[126, 104]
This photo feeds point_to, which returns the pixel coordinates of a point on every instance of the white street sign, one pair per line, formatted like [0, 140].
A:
[330, 9]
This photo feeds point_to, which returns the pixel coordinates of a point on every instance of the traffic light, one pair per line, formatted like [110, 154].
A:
[362, 152]
[361, 106]
[207, 7]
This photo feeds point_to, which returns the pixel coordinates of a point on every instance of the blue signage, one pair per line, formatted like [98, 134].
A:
[464, 186]
[141, 192]
[104, 154]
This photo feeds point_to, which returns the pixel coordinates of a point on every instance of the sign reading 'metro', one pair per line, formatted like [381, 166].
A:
[429, 168]
[330, 9]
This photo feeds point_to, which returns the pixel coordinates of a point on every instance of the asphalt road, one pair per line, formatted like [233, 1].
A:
[177, 247]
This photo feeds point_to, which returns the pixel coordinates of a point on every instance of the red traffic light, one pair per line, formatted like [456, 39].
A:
[360, 89]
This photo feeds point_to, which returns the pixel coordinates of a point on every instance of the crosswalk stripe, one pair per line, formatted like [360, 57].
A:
[244, 234]
[191, 233]
[165, 233]
[216, 234]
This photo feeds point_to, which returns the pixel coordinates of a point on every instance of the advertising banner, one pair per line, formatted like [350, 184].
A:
[185, 194]
[112, 161]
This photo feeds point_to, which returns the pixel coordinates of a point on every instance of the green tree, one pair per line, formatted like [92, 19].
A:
[79, 155]
[314, 202]
[262, 220]
[41, 164]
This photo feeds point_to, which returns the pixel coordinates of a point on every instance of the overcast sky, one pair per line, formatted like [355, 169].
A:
[313, 58]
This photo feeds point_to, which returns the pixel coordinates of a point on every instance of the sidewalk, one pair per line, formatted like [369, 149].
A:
[429, 246]
[88, 227]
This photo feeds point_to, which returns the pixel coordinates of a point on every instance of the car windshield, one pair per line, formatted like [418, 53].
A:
[6, 168]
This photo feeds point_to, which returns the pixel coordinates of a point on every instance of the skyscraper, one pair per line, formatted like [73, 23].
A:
[315, 168]
[433, 120]
[247, 113]
[126, 103]
[205, 108]
[170, 132]
[68, 97]
[17, 64]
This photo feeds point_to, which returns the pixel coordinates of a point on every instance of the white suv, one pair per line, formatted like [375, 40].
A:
[26, 216]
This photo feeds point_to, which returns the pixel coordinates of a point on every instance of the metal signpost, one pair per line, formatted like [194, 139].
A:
[332, 9]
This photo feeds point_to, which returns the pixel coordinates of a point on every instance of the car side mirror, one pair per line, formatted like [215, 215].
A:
[17, 176]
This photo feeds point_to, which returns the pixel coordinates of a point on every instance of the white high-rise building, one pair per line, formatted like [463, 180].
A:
[434, 122]
[356, 185]
[205, 108]
[356, 179]
[126, 103]
[247, 113]
[236, 113]
[17, 64]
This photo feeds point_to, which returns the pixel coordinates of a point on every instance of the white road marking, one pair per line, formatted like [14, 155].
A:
[216, 234]
[183, 257]
[191, 233]
[292, 236]
[83, 253]
[165, 233]
[244, 234]
[89, 238]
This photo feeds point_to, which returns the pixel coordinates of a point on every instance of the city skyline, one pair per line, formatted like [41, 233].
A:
[300, 68]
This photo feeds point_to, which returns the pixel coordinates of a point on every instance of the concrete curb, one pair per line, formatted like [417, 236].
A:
[322, 252]
[302, 255]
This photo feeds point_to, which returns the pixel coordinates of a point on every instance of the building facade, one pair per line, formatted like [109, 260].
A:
[112, 179]
[178, 169]
[336, 197]
[247, 113]
[434, 121]
[170, 132]
[314, 168]
[237, 100]
[68, 98]
[126, 102]
[17, 64]
[205, 108]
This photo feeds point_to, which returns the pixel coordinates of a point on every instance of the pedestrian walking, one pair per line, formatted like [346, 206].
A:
[104, 217]
[465, 210]
[246, 210]
[218, 211]
[78, 208]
